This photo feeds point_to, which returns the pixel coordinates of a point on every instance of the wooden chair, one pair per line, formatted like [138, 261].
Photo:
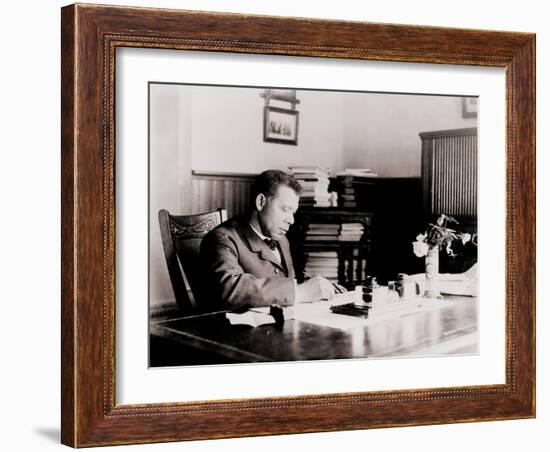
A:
[181, 239]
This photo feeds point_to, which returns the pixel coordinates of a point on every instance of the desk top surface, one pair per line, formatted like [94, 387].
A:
[416, 327]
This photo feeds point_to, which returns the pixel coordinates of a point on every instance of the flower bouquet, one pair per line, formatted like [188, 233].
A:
[438, 236]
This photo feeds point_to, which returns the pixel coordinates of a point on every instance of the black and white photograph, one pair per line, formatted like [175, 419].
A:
[359, 241]
[281, 126]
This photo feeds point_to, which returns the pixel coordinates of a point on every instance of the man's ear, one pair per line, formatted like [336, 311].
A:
[261, 201]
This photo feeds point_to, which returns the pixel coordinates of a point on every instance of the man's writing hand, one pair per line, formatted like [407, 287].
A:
[339, 289]
[314, 289]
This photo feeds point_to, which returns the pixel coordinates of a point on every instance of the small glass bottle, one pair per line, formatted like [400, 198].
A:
[369, 286]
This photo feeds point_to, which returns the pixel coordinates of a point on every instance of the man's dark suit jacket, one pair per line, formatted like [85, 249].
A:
[240, 270]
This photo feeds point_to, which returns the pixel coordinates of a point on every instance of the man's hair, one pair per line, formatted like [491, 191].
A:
[268, 183]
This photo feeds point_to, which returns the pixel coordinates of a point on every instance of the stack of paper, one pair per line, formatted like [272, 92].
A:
[351, 232]
[354, 187]
[357, 172]
[322, 263]
[322, 232]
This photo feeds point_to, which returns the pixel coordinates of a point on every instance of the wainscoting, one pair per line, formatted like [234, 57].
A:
[449, 172]
[213, 191]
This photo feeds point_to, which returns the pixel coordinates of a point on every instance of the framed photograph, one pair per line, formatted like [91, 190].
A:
[164, 144]
[469, 107]
[338, 243]
[280, 125]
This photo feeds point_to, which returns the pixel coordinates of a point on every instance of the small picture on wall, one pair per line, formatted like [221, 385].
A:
[280, 125]
[469, 107]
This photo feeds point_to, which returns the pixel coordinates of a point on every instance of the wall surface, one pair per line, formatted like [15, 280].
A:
[167, 162]
[30, 269]
[381, 130]
[228, 131]
[337, 130]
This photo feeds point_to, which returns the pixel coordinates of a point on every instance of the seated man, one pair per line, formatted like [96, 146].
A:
[246, 260]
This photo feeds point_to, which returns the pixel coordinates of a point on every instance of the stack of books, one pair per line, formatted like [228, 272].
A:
[351, 232]
[314, 181]
[347, 195]
[318, 232]
[322, 263]
[351, 183]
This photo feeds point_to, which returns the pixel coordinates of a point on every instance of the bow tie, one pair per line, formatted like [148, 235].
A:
[271, 243]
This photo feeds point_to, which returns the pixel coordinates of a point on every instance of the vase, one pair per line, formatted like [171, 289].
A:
[431, 288]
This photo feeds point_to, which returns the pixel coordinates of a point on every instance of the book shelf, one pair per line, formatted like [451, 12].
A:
[352, 258]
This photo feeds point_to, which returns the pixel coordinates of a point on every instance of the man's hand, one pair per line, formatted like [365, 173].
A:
[339, 289]
[314, 289]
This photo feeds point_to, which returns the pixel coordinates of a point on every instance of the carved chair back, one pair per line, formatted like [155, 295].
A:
[181, 239]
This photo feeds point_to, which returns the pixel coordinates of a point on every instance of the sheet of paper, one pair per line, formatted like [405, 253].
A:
[319, 313]
[250, 318]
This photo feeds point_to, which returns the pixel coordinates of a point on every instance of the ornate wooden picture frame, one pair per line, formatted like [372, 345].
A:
[90, 38]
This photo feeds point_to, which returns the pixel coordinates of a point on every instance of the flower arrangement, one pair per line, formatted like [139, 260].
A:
[440, 236]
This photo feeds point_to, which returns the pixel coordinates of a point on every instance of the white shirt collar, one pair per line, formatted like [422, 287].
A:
[275, 251]
[263, 237]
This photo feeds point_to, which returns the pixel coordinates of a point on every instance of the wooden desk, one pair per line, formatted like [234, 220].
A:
[434, 328]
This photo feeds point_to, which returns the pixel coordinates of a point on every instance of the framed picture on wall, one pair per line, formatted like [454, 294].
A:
[469, 107]
[109, 393]
[280, 125]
